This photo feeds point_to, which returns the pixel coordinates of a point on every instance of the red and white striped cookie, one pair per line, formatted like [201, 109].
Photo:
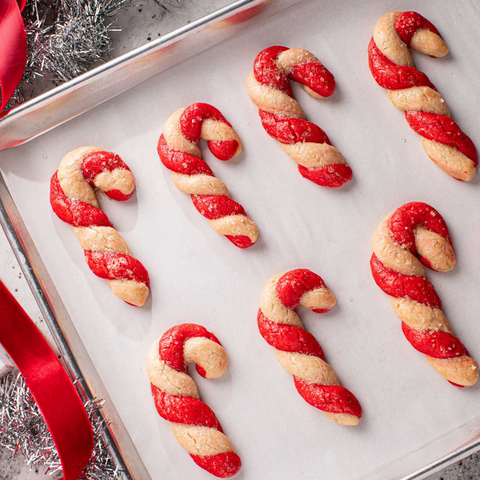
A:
[74, 201]
[297, 350]
[179, 152]
[417, 229]
[177, 400]
[283, 118]
[411, 90]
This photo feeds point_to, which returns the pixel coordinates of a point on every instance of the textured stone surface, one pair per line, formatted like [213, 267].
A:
[467, 469]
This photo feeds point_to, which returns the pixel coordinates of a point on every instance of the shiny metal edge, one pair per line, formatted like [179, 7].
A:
[100, 84]
[67, 339]
[445, 461]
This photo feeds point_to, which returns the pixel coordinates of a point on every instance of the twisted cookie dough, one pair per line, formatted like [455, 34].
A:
[179, 152]
[177, 400]
[410, 89]
[418, 229]
[73, 200]
[283, 118]
[297, 350]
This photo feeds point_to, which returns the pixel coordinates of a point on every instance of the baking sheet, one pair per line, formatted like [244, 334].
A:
[198, 276]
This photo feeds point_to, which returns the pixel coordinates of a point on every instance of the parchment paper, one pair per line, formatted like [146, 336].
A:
[198, 276]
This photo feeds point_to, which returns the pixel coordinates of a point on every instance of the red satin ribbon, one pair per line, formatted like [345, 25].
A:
[50, 385]
[13, 47]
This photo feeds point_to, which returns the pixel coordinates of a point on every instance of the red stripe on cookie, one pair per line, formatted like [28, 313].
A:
[315, 76]
[329, 398]
[408, 217]
[397, 285]
[291, 286]
[172, 342]
[191, 122]
[224, 150]
[391, 76]
[184, 410]
[98, 162]
[181, 162]
[434, 344]
[241, 241]
[288, 338]
[75, 212]
[266, 70]
[114, 266]
[292, 130]
[409, 22]
[222, 465]
[333, 176]
[193, 117]
[217, 206]
[442, 129]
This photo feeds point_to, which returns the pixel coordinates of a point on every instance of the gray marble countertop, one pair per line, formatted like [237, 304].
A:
[145, 22]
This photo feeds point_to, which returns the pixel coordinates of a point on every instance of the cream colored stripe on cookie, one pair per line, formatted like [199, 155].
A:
[273, 309]
[343, 418]
[118, 179]
[202, 441]
[236, 225]
[219, 131]
[272, 100]
[419, 99]
[389, 42]
[319, 298]
[130, 291]
[429, 43]
[307, 367]
[199, 184]
[313, 155]
[175, 138]
[71, 179]
[460, 370]
[435, 248]
[167, 379]
[101, 239]
[208, 354]
[450, 159]
[393, 255]
[288, 59]
[420, 316]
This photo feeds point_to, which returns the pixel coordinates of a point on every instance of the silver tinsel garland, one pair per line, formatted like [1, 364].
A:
[66, 38]
[24, 431]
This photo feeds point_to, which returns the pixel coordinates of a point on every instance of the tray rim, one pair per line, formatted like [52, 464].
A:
[42, 287]
[48, 106]
[52, 308]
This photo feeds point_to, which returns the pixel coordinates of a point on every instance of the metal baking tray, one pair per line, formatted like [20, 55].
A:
[73, 98]
[51, 109]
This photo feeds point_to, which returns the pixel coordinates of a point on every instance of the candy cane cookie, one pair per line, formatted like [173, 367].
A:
[411, 90]
[74, 201]
[177, 400]
[179, 152]
[283, 118]
[418, 230]
[297, 350]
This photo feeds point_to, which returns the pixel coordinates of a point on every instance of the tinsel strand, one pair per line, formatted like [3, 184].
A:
[66, 38]
[24, 431]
